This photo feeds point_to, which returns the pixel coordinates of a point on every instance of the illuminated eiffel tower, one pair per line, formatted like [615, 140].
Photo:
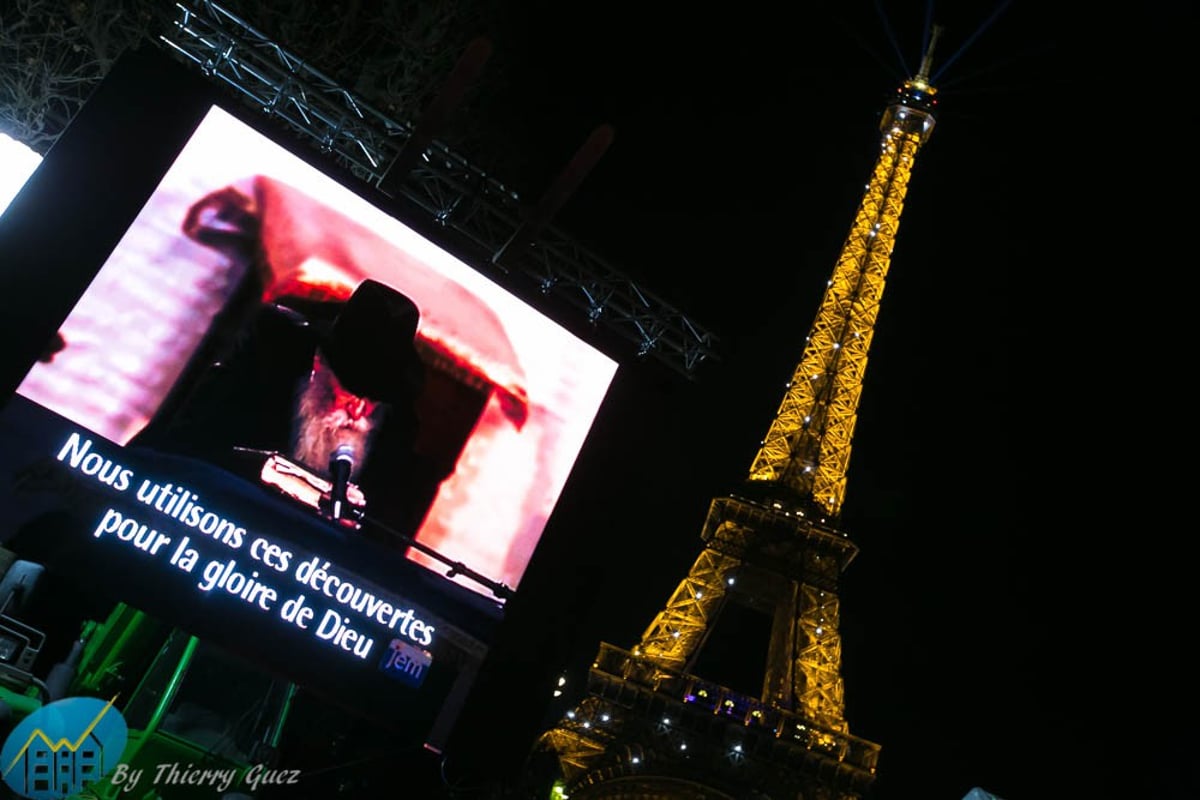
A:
[652, 726]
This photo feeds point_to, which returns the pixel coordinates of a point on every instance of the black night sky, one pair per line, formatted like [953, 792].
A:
[994, 635]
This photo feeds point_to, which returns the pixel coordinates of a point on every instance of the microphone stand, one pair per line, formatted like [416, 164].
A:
[353, 516]
[456, 567]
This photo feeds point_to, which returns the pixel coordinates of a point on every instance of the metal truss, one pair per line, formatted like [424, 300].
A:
[645, 727]
[453, 192]
[807, 447]
[790, 567]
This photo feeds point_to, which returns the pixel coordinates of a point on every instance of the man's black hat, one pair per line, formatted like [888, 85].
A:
[370, 344]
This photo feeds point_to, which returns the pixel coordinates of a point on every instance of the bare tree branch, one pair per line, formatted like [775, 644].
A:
[52, 55]
[392, 55]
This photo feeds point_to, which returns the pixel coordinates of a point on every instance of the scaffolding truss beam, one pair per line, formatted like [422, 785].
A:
[454, 193]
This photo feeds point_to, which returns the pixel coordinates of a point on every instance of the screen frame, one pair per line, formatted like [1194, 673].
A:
[129, 134]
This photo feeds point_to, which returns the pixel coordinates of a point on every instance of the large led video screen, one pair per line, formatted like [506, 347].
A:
[503, 407]
[286, 420]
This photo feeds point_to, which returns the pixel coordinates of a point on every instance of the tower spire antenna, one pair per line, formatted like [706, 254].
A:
[927, 58]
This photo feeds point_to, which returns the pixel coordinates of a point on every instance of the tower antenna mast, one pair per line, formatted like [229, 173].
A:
[927, 59]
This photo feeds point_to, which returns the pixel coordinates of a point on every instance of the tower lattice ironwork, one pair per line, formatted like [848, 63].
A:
[650, 729]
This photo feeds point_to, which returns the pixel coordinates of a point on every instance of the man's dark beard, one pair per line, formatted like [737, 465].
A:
[320, 427]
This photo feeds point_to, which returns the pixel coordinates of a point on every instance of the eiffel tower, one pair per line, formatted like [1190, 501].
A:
[652, 726]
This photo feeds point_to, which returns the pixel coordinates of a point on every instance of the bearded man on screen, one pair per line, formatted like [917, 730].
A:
[330, 419]
[314, 381]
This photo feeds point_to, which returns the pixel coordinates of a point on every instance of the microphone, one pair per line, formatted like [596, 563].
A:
[341, 463]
